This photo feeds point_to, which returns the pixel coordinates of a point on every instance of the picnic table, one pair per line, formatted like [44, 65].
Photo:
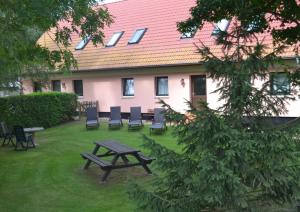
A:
[32, 131]
[117, 150]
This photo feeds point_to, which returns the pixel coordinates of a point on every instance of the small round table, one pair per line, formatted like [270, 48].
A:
[32, 131]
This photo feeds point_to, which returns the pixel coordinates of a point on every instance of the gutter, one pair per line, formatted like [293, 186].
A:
[135, 67]
[155, 66]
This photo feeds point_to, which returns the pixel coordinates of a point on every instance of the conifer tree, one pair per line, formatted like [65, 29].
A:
[232, 158]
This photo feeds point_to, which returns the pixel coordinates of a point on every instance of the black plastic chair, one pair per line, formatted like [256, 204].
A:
[115, 119]
[159, 122]
[135, 119]
[22, 140]
[92, 118]
[6, 134]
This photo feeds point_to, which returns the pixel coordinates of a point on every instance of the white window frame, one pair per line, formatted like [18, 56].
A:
[124, 84]
[157, 93]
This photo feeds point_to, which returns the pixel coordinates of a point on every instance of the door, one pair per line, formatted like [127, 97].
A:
[198, 89]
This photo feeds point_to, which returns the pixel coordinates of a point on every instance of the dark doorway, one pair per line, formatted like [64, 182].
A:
[198, 88]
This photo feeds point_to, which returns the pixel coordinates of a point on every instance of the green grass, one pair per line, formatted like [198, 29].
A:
[51, 178]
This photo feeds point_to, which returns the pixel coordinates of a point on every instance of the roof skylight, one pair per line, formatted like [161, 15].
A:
[114, 39]
[221, 26]
[250, 27]
[190, 34]
[82, 43]
[137, 36]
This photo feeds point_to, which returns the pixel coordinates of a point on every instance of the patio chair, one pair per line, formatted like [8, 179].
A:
[92, 120]
[115, 119]
[7, 135]
[23, 140]
[158, 122]
[135, 119]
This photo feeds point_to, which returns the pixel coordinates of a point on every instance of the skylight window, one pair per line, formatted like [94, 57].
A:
[221, 26]
[137, 36]
[82, 43]
[255, 24]
[190, 34]
[250, 27]
[114, 39]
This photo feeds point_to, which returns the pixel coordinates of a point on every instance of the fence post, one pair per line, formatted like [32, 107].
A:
[82, 106]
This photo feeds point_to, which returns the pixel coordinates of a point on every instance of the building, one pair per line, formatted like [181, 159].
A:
[145, 58]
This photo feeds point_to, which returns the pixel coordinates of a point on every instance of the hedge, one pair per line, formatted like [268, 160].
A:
[38, 109]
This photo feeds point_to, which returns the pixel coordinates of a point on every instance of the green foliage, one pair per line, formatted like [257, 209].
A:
[221, 167]
[235, 80]
[232, 158]
[24, 23]
[252, 14]
[38, 109]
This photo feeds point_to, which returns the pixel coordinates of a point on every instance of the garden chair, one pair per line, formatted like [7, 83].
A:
[23, 140]
[135, 119]
[158, 122]
[7, 135]
[92, 117]
[115, 119]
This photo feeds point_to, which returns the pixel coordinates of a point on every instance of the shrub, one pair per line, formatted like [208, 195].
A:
[38, 109]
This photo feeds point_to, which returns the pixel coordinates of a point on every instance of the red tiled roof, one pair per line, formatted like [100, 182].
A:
[161, 44]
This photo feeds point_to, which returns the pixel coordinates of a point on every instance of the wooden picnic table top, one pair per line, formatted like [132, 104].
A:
[118, 151]
[116, 147]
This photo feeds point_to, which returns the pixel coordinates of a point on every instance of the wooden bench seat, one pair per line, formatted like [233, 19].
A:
[146, 159]
[103, 164]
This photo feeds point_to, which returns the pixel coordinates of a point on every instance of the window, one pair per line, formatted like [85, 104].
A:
[137, 36]
[250, 27]
[161, 86]
[280, 84]
[255, 24]
[56, 85]
[189, 34]
[78, 87]
[221, 26]
[37, 87]
[128, 86]
[82, 43]
[114, 39]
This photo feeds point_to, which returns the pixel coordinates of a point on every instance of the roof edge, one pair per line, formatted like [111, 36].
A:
[136, 67]
[155, 66]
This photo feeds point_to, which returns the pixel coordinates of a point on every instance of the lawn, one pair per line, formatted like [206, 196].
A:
[51, 178]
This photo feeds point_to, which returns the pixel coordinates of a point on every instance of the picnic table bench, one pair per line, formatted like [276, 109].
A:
[117, 150]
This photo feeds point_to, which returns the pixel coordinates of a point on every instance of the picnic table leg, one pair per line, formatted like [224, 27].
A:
[96, 150]
[125, 159]
[146, 168]
[88, 162]
[107, 172]
[33, 140]
[143, 164]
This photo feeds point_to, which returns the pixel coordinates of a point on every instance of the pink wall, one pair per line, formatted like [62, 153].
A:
[27, 86]
[106, 88]
[108, 91]
[293, 107]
